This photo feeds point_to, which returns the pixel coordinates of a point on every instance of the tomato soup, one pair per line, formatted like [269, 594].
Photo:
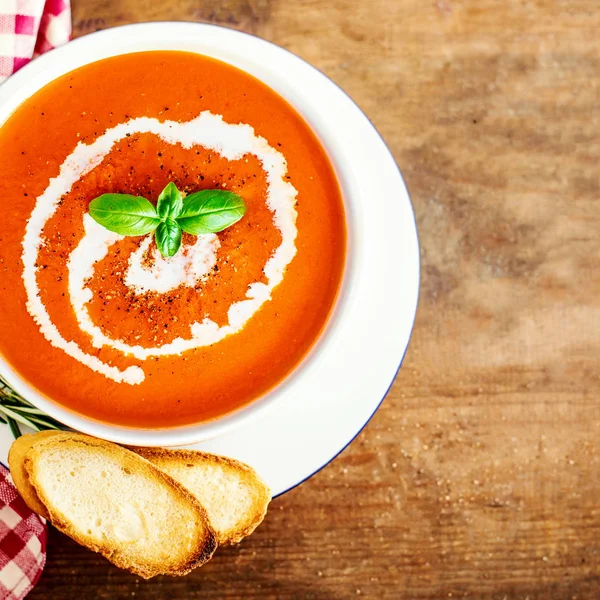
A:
[105, 325]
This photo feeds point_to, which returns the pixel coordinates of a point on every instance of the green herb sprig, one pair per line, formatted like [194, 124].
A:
[207, 211]
[16, 411]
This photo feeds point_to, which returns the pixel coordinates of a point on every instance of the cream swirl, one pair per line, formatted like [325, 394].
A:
[232, 141]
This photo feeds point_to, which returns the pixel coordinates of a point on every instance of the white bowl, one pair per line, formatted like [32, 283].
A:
[358, 355]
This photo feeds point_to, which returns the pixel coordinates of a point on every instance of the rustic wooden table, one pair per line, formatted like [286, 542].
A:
[480, 476]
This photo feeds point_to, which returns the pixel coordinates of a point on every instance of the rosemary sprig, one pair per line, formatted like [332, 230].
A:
[16, 411]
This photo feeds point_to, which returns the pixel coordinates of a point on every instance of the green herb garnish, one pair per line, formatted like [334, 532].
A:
[15, 410]
[208, 211]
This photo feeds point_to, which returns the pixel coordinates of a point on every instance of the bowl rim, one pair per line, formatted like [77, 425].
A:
[122, 44]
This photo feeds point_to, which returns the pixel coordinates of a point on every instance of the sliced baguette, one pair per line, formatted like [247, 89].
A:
[16, 464]
[118, 504]
[233, 495]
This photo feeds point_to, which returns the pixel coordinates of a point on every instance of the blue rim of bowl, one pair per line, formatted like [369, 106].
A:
[363, 426]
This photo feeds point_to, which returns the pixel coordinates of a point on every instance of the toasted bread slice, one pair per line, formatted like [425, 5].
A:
[16, 464]
[118, 504]
[233, 495]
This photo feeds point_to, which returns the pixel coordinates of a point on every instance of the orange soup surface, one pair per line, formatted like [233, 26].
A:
[75, 320]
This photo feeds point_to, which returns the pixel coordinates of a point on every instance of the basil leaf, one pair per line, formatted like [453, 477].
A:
[168, 237]
[124, 214]
[169, 202]
[210, 211]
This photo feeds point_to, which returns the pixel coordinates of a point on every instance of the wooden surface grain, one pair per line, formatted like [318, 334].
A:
[480, 476]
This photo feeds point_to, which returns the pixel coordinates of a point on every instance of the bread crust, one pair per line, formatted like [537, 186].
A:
[16, 464]
[142, 467]
[262, 493]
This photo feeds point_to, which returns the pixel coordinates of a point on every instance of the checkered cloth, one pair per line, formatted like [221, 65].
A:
[22, 541]
[29, 28]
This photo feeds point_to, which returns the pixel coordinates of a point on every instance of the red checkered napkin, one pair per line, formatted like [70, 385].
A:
[22, 541]
[29, 28]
